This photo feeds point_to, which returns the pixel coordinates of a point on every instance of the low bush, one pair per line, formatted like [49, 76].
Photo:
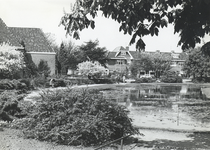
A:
[9, 105]
[41, 82]
[60, 83]
[144, 80]
[7, 84]
[76, 117]
[171, 77]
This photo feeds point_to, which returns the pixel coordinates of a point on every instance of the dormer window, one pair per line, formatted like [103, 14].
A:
[123, 53]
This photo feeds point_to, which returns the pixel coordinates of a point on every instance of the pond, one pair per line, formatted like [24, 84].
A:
[162, 106]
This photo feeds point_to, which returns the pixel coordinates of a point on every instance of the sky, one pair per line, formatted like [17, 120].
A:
[46, 14]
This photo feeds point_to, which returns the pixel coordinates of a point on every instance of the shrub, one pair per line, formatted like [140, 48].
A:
[171, 77]
[60, 83]
[9, 105]
[76, 117]
[12, 61]
[40, 81]
[7, 84]
[144, 80]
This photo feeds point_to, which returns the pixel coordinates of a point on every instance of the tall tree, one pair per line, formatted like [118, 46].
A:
[160, 63]
[30, 68]
[93, 52]
[197, 64]
[62, 58]
[66, 58]
[144, 17]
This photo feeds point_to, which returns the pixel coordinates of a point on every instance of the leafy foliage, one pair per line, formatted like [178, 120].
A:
[144, 62]
[93, 52]
[9, 105]
[206, 48]
[43, 68]
[171, 77]
[161, 63]
[139, 18]
[67, 57]
[13, 84]
[11, 61]
[76, 117]
[144, 80]
[197, 64]
[93, 68]
[30, 68]
[156, 62]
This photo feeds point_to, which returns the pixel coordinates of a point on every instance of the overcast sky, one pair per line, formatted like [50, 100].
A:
[46, 14]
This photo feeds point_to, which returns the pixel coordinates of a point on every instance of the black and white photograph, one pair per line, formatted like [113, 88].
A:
[104, 74]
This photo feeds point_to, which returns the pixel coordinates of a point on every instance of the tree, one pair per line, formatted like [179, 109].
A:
[143, 63]
[93, 52]
[30, 68]
[65, 58]
[144, 17]
[157, 62]
[197, 64]
[51, 40]
[92, 68]
[160, 63]
[206, 48]
[43, 68]
[11, 61]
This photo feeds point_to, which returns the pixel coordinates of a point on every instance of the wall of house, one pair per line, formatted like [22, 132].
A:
[46, 56]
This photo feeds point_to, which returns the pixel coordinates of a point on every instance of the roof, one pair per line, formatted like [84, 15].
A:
[112, 54]
[117, 49]
[33, 38]
[6, 36]
[135, 54]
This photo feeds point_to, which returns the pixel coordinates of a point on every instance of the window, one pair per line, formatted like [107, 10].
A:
[123, 53]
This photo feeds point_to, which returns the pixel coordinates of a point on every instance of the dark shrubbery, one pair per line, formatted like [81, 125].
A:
[76, 117]
[144, 80]
[171, 77]
[7, 84]
[9, 105]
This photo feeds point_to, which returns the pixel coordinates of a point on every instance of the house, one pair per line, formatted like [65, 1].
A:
[34, 41]
[120, 59]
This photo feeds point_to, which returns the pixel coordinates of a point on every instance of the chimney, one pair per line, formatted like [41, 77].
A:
[127, 48]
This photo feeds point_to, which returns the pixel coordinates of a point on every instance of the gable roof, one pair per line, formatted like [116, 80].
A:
[114, 54]
[6, 36]
[117, 49]
[33, 38]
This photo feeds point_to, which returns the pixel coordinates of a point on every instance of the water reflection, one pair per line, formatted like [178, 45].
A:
[180, 104]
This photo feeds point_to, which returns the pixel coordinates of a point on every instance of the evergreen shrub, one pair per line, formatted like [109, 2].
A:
[76, 117]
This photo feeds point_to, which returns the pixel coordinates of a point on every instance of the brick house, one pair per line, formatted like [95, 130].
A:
[120, 59]
[34, 40]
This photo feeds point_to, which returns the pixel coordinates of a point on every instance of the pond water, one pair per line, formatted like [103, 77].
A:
[175, 107]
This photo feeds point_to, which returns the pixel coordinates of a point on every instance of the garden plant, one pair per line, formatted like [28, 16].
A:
[75, 117]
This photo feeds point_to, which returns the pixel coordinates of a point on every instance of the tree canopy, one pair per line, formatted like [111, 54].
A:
[93, 52]
[144, 17]
[157, 62]
[197, 64]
